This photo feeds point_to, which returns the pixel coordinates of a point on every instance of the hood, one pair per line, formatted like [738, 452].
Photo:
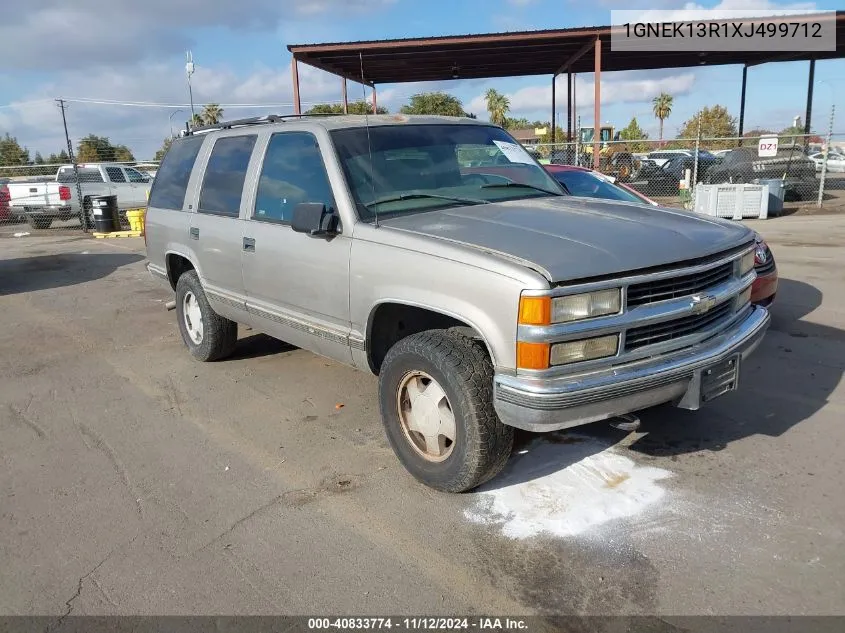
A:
[565, 238]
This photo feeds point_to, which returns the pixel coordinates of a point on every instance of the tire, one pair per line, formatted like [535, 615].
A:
[217, 335]
[38, 222]
[460, 367]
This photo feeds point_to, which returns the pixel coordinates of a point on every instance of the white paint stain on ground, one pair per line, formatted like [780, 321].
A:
[566, 489]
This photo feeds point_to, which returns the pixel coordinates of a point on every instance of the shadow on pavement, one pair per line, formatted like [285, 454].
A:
[43, 272]
[258, 345]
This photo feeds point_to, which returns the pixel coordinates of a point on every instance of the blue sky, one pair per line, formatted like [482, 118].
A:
[131, 51]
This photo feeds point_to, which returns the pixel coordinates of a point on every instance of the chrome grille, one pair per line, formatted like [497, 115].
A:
[676, 328]
[662, 289]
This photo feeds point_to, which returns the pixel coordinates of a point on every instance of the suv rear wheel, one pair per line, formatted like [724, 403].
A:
[207, 335]
[436, 397]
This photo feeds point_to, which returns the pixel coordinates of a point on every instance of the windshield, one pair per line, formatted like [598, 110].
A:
[585, 184]
[425, 167]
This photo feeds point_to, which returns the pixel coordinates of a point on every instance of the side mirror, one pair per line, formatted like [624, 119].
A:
[313, 219]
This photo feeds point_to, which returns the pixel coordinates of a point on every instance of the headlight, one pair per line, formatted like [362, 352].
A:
[586, 306]
[585, 349]
[744, 298]
[545, 310]
[746, 264]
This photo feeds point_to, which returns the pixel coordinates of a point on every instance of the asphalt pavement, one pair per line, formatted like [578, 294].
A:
[134, 480]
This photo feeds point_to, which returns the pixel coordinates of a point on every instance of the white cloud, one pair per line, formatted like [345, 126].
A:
[36, 121]
[57, 34]
[726, 9]
[615, 88]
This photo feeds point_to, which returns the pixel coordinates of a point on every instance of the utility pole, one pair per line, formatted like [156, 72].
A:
[824, 161]
[189, 70]
[82, 219]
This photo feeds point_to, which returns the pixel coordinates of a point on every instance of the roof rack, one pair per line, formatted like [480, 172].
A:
[256, 120]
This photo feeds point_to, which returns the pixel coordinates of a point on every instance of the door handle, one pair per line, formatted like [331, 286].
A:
[195, 233]
[249, 244]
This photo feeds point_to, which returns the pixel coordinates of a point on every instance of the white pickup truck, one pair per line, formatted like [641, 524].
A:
[44, 202]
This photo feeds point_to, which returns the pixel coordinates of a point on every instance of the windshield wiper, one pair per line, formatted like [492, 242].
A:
[519, 184]
[414, 196]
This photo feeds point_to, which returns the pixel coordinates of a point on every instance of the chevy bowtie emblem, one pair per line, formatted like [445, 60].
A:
[702, 303]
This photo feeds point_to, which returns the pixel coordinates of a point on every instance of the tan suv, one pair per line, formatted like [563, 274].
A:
[483, 297]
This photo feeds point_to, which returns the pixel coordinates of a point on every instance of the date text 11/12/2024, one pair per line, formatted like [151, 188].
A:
[417, 623]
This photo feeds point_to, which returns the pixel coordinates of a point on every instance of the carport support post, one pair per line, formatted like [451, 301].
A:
[375, 102]
[294, 73]
[810, 82]
[554, 107]
[742, 103]
[568, 107]
[345, 99]
[597, 105]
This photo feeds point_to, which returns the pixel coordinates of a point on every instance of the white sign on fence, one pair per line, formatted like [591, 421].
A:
[767, 147]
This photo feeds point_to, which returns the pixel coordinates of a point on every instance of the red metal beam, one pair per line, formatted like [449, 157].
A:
[375, 103]
[345, 100]
[597, 104]
[294, 72]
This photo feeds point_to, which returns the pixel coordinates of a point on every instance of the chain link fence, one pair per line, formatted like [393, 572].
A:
[60, 195]
[797, 168]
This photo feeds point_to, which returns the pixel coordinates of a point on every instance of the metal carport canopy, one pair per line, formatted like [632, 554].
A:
[514, 54]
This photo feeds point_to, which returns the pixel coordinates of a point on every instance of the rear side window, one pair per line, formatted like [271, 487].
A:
[86, 174]
[223, 183]
[115, 174]
[171, 181]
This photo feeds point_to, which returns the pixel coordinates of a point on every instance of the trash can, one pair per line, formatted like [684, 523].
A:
[777, 193]
[104, 210]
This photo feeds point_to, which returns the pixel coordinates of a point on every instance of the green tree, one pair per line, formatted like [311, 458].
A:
[61, 157]
[716, 123]
[434, 103]
[11, 152]
[197, 121]
[211, 114]
[354, 107]
[662, 107]
[39, 159]
[164, 147]
[98, 149]
[633, 132]
[498, 106]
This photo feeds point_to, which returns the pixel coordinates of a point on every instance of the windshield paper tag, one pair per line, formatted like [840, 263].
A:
[514, 153]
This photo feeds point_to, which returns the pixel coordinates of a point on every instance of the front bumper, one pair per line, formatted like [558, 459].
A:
[550, 404]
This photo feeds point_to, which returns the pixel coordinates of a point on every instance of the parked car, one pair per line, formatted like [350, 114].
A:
[835, 162]
[665, 180]
[792, 165]
[482, 302]
[765, 286]
[663, 156]
[44, 202]
[5, 197]
[586, 182]
[580, 181]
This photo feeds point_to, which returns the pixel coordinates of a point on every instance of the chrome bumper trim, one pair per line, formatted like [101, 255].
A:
[538, 404]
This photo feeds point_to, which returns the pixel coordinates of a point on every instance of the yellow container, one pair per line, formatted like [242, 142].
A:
[136, 219]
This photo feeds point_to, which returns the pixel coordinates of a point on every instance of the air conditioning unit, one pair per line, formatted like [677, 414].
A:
[734, 202]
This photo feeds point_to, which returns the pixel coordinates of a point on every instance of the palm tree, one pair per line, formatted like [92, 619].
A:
[498, 106]
[197, 120]
[662, 106]
[211, 114]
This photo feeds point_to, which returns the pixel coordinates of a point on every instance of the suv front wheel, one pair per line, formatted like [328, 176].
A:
[436, 397]
[207, 335]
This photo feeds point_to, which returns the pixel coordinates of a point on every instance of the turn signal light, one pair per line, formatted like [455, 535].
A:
[532, 355]
[535, 310]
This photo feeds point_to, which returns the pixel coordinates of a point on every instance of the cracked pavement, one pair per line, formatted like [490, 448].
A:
[134, 480]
